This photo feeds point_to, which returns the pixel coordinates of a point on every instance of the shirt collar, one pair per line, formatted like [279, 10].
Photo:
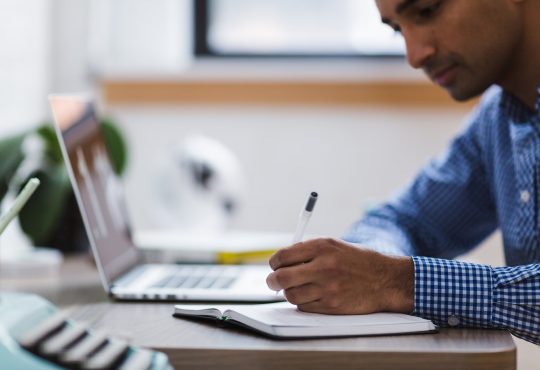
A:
[538, 99]
[516, 109]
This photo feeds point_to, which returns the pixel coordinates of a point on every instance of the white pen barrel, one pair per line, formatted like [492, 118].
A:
[302, 224]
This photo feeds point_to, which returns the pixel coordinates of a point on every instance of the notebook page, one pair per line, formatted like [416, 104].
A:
[286, 314]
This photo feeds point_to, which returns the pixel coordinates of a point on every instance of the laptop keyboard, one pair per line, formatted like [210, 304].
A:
[198, 277]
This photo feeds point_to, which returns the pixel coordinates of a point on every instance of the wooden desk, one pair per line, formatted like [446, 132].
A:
[205, 345]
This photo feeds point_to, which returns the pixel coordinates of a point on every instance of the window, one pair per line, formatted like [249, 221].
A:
[292, 28]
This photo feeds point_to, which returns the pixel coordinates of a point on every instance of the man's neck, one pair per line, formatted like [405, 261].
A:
[524, 78]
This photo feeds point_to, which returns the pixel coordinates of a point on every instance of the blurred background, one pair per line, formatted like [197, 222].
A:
[298, 95]
[307, 97]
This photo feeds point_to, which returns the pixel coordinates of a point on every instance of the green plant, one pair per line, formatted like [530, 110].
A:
[12, 156]
[51, 216]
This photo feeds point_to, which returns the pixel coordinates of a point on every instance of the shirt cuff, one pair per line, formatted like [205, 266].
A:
[516, 298]
[453, 293]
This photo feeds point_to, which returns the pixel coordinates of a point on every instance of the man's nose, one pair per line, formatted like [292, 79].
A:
[419, 50]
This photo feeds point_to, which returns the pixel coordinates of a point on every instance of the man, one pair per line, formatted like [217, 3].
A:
[489, 178]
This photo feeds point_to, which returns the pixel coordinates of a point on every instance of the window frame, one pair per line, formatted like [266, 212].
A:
[201, 48]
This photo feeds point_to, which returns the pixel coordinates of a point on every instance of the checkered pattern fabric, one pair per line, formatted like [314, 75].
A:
[488, 178]
[453, 293]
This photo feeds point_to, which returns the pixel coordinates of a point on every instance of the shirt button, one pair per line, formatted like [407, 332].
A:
[525, 196]
[453, 320]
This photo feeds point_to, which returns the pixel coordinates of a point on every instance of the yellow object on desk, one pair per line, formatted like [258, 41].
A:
[245, 257]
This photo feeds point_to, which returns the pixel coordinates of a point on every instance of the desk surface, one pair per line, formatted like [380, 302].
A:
[205, 345]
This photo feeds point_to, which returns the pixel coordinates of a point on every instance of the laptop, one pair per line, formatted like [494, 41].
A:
[101, 201]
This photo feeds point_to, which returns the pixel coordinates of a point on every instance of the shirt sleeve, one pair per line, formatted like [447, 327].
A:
[460, 294]
[445, 211]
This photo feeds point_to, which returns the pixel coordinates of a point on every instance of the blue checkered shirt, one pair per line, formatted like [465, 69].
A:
[488, 178]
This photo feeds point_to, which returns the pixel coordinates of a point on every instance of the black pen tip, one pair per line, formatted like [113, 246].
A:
[311, 201]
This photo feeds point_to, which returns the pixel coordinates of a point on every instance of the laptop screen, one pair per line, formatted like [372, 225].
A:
[97, 188]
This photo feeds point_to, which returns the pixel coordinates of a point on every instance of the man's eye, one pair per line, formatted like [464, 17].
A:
[394, 27]
[429, 11]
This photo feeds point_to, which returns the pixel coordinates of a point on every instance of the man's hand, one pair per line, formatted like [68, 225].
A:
[333, 277]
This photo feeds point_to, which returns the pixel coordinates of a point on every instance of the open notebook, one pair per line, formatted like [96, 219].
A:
[284, 320]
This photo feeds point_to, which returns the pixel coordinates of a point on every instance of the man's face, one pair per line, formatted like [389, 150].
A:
[462, 45]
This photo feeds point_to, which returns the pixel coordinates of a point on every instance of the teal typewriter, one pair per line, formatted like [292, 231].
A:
[35, 335]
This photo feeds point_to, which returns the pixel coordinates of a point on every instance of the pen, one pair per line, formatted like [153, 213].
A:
[19, 202]
[305, 215]
[303, 220]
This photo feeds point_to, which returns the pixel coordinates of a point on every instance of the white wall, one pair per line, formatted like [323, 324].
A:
[24, 63]
[351, 156]
[70, 69]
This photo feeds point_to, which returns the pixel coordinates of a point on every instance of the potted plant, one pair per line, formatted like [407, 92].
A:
[51, 217]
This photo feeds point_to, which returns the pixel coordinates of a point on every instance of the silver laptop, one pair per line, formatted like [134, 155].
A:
[100, 197]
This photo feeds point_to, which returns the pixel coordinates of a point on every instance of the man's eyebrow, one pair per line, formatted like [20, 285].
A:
[401, 7]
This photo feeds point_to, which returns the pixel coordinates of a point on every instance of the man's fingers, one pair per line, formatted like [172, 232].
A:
[322, 306]
[288, 277]
[314, 307]
[293, 255]
[303, 294]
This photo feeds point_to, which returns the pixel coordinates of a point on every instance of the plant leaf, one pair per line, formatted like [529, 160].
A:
[11, 157]
[38, 219]
[116, 145]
